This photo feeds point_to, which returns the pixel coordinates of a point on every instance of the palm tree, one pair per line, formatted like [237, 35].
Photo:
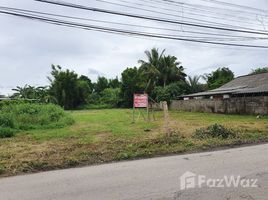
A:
[26, 92]
[193, 84]
[161, 70]
[171, 70]
[43, 95]
[40, 94]
[150, 68]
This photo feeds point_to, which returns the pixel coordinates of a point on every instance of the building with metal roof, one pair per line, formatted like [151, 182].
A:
[244, 95]
[249, 85]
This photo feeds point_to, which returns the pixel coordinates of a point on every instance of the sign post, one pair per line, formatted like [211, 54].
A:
[140, 101]
[166, 117]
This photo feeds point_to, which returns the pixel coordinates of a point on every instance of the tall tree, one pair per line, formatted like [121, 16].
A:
[193, 84]
[219, 77]
[88, 81]
[170, 71]
[150, 68]
[83, 91]
[132, 82]
[66, 87]
[114, 83]
[101, 84]
[161, 70]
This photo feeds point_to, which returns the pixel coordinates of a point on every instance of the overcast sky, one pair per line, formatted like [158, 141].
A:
[28, 48]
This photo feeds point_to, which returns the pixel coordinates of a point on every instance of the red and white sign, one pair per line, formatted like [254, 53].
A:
[140, 100]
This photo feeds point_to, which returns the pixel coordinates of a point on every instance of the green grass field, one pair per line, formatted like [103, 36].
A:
[99, 136]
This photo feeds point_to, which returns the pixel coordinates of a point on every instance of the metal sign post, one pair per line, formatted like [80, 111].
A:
[140, 101]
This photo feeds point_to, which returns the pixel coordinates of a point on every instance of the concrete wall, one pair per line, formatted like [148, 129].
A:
[235, 105]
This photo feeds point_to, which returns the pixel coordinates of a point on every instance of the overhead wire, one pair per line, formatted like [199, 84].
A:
[235, 5]
[226, 36]
[194, 36]
[205, 22]
[239, 14]
[187, 10]
[163, 20]
[120, 31]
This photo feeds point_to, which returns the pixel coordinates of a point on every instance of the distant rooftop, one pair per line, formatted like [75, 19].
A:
[249, 84]
[4, 98]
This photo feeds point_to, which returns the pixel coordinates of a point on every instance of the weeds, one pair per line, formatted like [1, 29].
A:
[100, 136]
[214, 131]
[2, 169]
[25, 116]
[6, 132]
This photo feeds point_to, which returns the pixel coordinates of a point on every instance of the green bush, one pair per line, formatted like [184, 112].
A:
[170, 92]
[110, 96]
[214, 131]
[6, 132]
[6, 120]
[13, 102]
[25, 116]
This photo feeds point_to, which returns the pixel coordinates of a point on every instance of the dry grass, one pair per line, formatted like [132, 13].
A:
[108, 135]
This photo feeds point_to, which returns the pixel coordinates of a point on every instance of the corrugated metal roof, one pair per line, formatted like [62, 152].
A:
[242, 85]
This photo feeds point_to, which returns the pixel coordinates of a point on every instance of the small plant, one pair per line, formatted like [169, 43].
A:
[2, 169]
[214, 131]
[6, 121]
[6, 132]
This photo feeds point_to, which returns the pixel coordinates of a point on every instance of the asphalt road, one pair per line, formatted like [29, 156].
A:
[157, 178]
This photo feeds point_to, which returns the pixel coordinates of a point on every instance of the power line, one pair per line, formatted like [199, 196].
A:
[21, 11]
[210, 8]
[188, 9]
[148, 17]
[236, 5]
[205, 22]
[120, 31]
[222, 36]
[245, 8]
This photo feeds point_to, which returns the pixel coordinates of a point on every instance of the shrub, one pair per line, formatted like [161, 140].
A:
[6, 121]
[214, 131]
[172, 91]
[13, 102]
[6, 132]
[2, 169]
[33, 115]
[110, 96]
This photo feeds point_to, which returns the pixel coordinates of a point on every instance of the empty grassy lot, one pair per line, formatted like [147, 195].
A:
[109, 135]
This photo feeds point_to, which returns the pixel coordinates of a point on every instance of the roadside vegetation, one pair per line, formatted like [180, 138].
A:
[19, 115]
[100, 136]
[214, 131]
[160, 75]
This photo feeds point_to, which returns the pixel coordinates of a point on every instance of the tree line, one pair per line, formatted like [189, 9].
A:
[161, 76]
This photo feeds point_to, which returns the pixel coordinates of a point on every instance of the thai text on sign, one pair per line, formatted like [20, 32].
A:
[140, 100]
